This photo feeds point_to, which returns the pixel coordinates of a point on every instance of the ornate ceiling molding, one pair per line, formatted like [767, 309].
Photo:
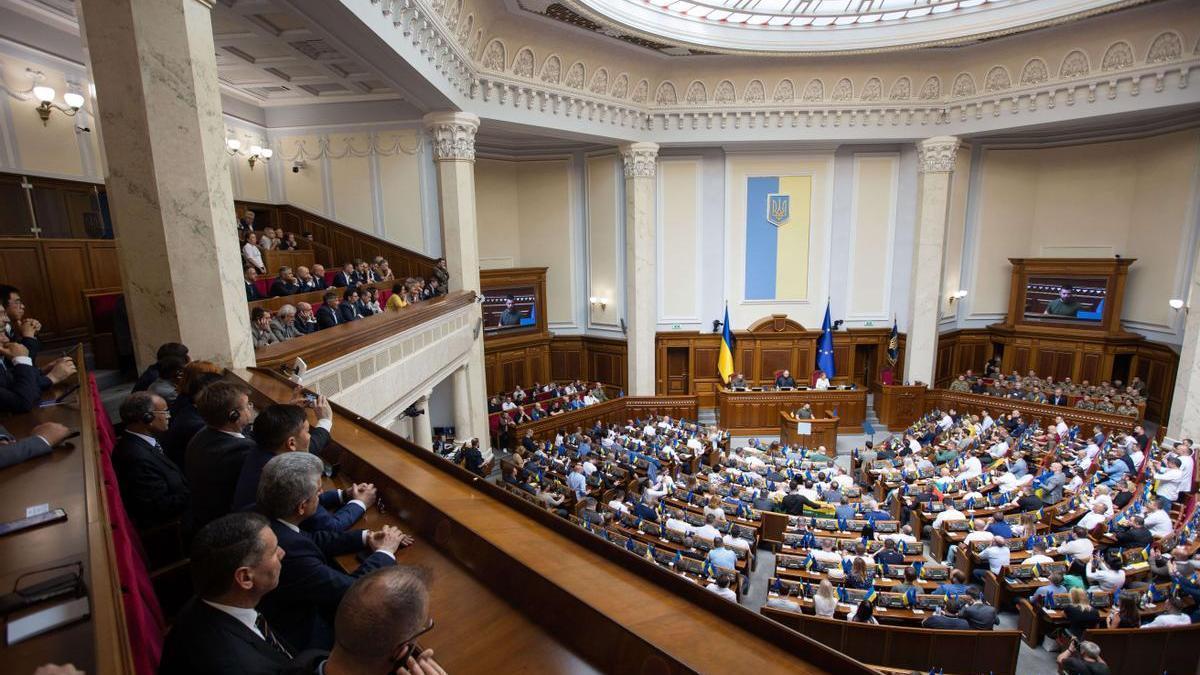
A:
[520, 77]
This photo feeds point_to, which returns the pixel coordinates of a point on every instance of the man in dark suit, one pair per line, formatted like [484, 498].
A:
[794, 503]
[19, 328]
[150, 374]
[1057, 398]
[473, 458]
[284, 427]
[185, 417]
[235, 562]
[328, 315]
[785, 380]
[319, 282]
[250, 276]
[348, 308]
[20, 390]
[152, 487]
[215, 455]
[43, 438]
[378, 624]
[305, 280]
[889, 554]
[285, 284]
[347, 278]
[311, 583]
[1134, 535]
[1029, 501]
[978, 614]
[306, 321]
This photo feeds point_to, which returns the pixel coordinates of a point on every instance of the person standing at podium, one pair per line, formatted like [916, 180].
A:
[822, 381]
[785, 380]
[737, 382]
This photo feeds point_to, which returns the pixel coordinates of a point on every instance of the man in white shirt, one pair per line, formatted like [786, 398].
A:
[707, 531]
[826, 555]
[1187, 465]
[950, 513]
[999, 449]
[996, 557]
[1170, 478]
[904, 536]
[721, 587]
[1079, 546]
[980, 533]
[987, 421]
[971, 468]
[1157, 520]
[1174, 615]
[1093, 518]
[1038, 557]
[945, 422]
[1061, 428]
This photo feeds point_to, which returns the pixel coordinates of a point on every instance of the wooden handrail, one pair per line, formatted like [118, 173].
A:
[616, 409]
[973, 403]
[337, 341]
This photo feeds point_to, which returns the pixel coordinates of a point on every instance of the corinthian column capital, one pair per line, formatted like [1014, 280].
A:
[937, 154]
[453, 135]
[641, 159]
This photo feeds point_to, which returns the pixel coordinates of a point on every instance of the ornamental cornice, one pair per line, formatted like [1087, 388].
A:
[453, 135]
[493, 72]
[937, 154]
[640, 159]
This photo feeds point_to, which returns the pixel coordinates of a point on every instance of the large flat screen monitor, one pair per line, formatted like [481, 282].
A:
[509, 308]
[1065, 298]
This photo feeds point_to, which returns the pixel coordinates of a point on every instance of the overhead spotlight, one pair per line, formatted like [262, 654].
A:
[957, 295]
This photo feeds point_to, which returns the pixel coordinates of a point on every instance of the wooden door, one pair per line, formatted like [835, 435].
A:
[864, 364]
[677, 370]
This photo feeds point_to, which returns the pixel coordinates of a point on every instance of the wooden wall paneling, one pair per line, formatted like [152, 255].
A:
[67, 264]
[102, 259]
[343, 246]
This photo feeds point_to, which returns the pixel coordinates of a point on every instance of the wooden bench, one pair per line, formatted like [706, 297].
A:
[958, 651]
[1149, 651]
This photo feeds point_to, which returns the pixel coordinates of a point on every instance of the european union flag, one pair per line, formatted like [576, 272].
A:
[825, 346]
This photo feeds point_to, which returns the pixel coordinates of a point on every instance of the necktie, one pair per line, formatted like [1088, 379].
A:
[158, 448]
[261, 624]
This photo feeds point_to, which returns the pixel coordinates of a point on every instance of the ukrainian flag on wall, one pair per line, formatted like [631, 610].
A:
[725, 355]
[778, 218]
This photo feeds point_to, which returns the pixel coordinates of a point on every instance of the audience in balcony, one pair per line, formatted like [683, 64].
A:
[306, 321]
[252, 253]
[1115, 397]
[347, 278]
[328, 314]
[250, 276]
[153, 487]
[284, 326]
[285, 284]
[348, 309]
[260, 328]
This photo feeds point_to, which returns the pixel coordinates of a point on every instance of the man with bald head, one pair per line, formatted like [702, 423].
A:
[305, 280]
[306, 321]
[377, 625]
[318, 273]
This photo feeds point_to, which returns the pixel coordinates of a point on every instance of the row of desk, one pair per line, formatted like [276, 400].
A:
[756, 412]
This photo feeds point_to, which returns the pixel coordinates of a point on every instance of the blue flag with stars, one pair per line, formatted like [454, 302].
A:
[825, 346]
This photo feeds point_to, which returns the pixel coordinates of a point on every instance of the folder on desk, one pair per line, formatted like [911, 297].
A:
[804, 428]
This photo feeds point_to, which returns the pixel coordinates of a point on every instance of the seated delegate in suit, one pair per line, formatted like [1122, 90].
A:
[348, 309]
[21, 383]
[235, 562]
[785, 379]
[306, 321]
[283, 326]
[185, 418]
[347, 278]
[312, 583]
[285, 284]
[19, 327]
[150, 374]
[250, 276]
[40, 442]
[152, 487]
[260, 328]
[305, 280]
[284, 427]
[215, 455]
[328, 315]
[318, 273]
[737, 382]
[378, 624]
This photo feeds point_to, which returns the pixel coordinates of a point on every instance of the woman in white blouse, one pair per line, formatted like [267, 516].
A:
[824, 600]
[252, 254]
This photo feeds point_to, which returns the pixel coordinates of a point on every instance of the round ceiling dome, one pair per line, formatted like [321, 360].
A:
[832, 26]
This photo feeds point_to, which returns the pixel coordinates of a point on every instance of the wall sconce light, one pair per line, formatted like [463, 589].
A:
[603, 302]
[1176, 304]
[257, 153]
[957, 295]
[45, 96]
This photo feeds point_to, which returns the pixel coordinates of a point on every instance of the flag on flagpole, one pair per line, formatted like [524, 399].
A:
[825, 346]
[725, 355]
[893, 349]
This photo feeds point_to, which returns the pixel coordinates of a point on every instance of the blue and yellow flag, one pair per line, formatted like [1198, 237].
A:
[725, 355]
[778, 223]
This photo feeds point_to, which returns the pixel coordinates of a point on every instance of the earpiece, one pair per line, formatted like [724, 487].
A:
[234, 415]
[147, 417]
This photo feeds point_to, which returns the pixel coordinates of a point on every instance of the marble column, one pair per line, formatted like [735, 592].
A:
[462, 402]
[936, 158]
[1185, 402]
[168, 183]
[453, 136]
[422, 426]
[641, 255]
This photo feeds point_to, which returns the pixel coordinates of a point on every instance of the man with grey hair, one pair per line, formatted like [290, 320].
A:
[286, 284]
[378, 624]
[312, 583]
[283, 326]
[1082, 658]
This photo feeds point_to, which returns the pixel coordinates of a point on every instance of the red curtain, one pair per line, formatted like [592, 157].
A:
[143, 616]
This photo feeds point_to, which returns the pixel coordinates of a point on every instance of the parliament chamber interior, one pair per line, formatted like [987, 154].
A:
[599, 336]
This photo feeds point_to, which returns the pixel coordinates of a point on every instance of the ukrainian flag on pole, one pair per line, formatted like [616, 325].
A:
[725, 356]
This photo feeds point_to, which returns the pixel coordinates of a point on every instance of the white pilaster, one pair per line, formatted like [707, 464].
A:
[1185, 402]
[422, 426]
[641, 164]
[453, 135]
[462, 402]
[168, 175]
[935, 165]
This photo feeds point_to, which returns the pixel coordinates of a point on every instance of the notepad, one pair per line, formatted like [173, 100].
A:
[46, 620]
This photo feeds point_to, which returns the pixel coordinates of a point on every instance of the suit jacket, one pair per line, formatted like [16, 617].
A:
[251, 292]
[152, 487]
[21, 450]
[311, 584]
[347, 311]
[342, 280]
[185, 422]
[246, 491]
[306, 286]
[305, 327]
[1057, 400]
[205, 640]
[979, 616]
[19, 387]
[1053, 488]
[327, 316]
[1139, 537]
[281, 287]
[214, 460]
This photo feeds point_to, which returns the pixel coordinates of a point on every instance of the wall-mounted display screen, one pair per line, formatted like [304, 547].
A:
[1065, 298]
[509, 308]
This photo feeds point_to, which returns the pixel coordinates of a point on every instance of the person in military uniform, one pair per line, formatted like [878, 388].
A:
[960, 384]
[1035, 396]
[511, 316]
[805, 412]
[1086, 403]
[1106, 405]
[1127, 408]
[1064, 304]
